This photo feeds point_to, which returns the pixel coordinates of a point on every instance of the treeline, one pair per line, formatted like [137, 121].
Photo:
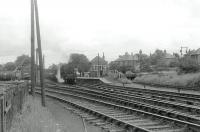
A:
[76, 61]
[157, 62]
[10, 66]
[188, 65]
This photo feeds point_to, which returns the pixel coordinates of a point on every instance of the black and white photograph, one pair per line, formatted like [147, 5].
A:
[99, 65]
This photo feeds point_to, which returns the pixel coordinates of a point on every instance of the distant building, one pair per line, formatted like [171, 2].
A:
[168, 58]
[195, 55]
[98, 66]
[128, 60]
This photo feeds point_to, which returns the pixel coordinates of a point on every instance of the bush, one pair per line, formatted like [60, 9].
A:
[195, 82]
[34, 118]
[174, 64]
[185, 80]
[187, 65]
[124, 81]
[51, 77]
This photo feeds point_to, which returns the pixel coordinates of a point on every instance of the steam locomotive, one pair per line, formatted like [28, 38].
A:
[70, 79]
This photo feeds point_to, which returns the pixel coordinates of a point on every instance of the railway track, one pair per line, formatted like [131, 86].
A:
[191, 103]
[126, 119]
[156, 98]
[122, 100]
[102, 97]
[182, 97]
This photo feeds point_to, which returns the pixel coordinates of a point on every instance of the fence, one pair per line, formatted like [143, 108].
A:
[12, 98]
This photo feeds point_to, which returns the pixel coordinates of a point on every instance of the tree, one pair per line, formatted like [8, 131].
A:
[176, 55]
[53, 69]
[79, 61]
[51, 72]
[25, 59]
[123, 69]
[145, 63]
[9, 66]
[188, 65]
[157, 56]
[174, 63]
[1, 67]
[113, 66]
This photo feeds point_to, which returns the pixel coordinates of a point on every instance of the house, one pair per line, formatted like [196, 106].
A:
[168, 59]
[195, 55]
[99, 66]
[128, 60]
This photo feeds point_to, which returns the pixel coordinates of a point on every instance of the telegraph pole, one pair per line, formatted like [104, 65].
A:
[32, 50]
[98, 66]
[140, 58]
[40, 55]
[182, 50]
[36, 68]
[44, 62]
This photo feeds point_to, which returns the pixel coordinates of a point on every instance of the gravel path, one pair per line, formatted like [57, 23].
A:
[67, 119]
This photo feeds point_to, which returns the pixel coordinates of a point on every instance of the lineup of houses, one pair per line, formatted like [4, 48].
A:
[99, 65]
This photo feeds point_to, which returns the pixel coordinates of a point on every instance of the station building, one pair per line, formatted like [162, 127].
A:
[99, 66]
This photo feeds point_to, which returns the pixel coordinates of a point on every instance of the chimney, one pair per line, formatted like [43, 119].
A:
[140, 51]
[103, 56]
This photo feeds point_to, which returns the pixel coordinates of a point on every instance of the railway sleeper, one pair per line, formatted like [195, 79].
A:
[176, 107]
[174, 116]
[98, 122]
[172, 99]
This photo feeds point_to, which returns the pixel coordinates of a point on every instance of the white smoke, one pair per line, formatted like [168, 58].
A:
[58, 76]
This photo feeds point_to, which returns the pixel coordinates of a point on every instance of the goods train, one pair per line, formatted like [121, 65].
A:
[10, 75]
[7, 76]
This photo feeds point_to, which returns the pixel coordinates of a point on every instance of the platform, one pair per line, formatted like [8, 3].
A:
[96, 79]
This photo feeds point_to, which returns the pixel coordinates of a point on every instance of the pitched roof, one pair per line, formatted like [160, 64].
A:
[169, 56]
[196, 52]
[94, 61]
[127, 57]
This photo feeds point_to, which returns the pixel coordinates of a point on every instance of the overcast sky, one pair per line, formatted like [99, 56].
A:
[92, 26]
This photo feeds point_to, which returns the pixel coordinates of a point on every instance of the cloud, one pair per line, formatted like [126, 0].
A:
[91, 26]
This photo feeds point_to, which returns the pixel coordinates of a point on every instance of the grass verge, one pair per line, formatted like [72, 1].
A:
[34, 118]
[185, 80]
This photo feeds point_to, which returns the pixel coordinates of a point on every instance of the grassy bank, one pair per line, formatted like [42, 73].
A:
[122, 80]
[185, 80]
[34, 118]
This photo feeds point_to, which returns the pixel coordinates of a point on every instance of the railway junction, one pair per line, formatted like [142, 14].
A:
[95, 101]
[124, 109]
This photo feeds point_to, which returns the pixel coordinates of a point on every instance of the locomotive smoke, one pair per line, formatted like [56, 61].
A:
[58, 76]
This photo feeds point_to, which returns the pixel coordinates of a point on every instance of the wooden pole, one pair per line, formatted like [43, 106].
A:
[40, 54]
[44, 61]
[36, 68]
[98, 66]
[32, 50]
